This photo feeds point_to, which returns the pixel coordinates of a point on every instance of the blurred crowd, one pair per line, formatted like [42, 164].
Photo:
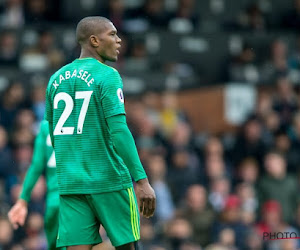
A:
[214, 191]
[133, 15]
[37, 36]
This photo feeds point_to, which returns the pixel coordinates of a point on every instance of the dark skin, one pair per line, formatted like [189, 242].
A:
[103, 45]
[98, 39]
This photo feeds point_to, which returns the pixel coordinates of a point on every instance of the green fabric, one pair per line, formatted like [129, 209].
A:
[124, 144]
[116, 211]
[284, 190]
[87, 161]
[43, 161]
[51, 226]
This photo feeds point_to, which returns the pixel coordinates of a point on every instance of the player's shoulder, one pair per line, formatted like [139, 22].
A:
[111, 76]
[44, 126]
[108, 69]
[44, 123]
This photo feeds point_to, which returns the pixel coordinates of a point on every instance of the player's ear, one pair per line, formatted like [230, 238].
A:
[94, 41]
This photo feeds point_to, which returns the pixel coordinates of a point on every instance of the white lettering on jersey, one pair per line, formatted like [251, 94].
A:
[83, 75]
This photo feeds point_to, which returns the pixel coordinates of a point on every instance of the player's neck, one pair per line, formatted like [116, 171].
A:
[90, 53]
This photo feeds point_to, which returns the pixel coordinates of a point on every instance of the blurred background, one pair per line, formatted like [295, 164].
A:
[212, 98]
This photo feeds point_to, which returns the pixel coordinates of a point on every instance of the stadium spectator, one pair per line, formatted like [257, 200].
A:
[23, 151]
[230, 218]
[38, 101]
[247, 172]
[43, 55]
[252, 19]
[213, 148]
[182, 136]
[116, 12]
[151, 101]
[179, 233]
[38, 12]
[243, 67]
[13, 99]
[6, 234]
[170, 115]
[253, 240]
[277, 65]
[37, 202]
[272, 221]
[249, 143]
[137, 58]
[213, 161]
[276, 184]
[263, 105]
[34, 230]
[270, 119]
[181, 174]
[227, 239]
[219, 190]
[12, 14]
[248, 202]
[150, 235]
[215, 168]
[151, 14]
[147, 137]
[288, 244]
[284, 145]
[8, 48]
[6, 155]
[23, 129]
[157, 168]
[24, 120]
[185, 18]
[271, 126]
[285, 101]
[199, 214]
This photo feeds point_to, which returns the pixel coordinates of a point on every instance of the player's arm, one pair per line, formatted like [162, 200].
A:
[18, 212]
[113, 107]
[125, 146]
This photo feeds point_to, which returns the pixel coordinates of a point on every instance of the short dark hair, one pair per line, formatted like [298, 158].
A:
[88, 26]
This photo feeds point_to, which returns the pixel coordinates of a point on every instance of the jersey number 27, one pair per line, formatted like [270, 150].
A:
[63, 96]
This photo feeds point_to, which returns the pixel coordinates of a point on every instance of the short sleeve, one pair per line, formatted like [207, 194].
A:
[112, 96]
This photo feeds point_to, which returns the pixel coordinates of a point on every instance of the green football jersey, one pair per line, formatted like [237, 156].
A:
[80, 96]
[43, 162]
